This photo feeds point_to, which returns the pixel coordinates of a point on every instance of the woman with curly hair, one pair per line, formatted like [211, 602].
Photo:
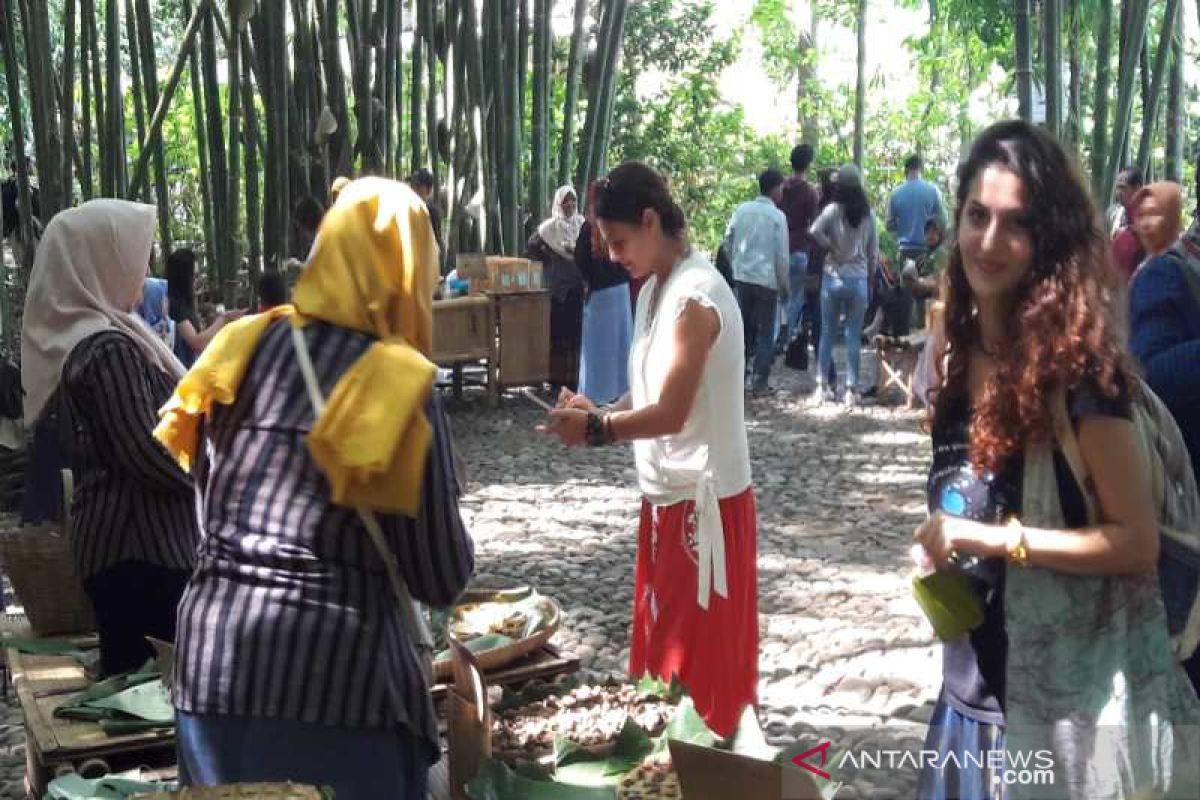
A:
[1073, 655]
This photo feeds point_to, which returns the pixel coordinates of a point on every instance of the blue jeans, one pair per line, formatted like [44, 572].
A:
[760, 308]
[357, 763]
[842, 297]
[797, 276]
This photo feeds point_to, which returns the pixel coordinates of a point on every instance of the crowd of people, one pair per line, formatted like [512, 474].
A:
[273, 491]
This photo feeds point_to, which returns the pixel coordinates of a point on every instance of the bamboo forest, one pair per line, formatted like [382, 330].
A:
[599, 399]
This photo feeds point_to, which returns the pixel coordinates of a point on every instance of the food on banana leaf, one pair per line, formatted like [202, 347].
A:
[590, 716]
[650, 781]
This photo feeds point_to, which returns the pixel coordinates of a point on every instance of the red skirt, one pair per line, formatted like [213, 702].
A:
[713, 652]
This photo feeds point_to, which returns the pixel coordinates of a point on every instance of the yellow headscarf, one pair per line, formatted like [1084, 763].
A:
[373, 270]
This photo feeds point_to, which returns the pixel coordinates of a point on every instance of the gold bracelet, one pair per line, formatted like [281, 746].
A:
[1018, 550]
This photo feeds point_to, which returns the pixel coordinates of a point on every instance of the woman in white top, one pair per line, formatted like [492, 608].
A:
[696, 588]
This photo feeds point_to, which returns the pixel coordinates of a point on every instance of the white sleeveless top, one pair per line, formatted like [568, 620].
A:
[709, 458]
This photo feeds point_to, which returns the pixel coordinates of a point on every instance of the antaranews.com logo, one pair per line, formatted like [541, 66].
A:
[1013, 768]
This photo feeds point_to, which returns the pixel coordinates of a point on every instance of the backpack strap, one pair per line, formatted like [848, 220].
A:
[414, 621]
[1068, 442]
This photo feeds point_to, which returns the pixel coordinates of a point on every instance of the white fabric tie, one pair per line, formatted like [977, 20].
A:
[710, 542]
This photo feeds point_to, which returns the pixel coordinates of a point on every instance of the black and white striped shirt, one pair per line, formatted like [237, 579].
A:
[132, 501]
[289, 614]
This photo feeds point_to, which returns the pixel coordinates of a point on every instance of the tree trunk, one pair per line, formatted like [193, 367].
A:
[806, 80]
[1100, 103]
[608, 50]
[431, 77]
[860, 85]
[1176, 112]
[1151, 102]
[610, 97]
[1135, 37]
[1075, 89]
[566, 152]
[539, 172]
[512, 133]
[1024, 61]
[205, 176]
[43, 110]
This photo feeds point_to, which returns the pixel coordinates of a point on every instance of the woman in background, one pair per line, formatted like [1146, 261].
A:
[190, 339]
[607, 317]
[553, 244]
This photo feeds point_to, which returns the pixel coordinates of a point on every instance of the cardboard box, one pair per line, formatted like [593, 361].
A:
[709, 774]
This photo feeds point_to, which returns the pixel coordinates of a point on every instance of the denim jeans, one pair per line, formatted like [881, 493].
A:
[797, 276]
[842, 297]
[759, 307]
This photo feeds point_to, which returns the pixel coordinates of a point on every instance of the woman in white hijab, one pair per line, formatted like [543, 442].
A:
[87, 358]
[554, 246]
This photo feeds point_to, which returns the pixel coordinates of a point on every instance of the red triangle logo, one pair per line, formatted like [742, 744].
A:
[802, 760]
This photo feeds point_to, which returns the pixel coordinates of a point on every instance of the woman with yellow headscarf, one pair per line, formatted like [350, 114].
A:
[294, 659]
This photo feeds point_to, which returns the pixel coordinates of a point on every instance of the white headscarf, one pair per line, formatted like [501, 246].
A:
[86, 278]
[561, 232]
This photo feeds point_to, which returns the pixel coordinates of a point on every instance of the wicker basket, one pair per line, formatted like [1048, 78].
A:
[240, 791]
[39, 563]
[501, 656]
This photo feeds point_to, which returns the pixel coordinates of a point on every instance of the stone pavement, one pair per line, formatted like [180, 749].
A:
[845, 653]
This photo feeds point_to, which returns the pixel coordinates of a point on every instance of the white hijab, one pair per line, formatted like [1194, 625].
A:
[561, 232]
[87, 276]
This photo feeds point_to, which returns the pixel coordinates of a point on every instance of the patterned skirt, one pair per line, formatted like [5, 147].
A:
[713, 652]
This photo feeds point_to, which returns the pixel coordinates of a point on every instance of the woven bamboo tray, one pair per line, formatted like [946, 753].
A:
[500, 656]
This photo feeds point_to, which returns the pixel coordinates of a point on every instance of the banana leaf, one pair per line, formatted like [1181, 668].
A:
[481, 644]
[147, 701]
[122, 704]
[574, 764]
[496, 781]
[686, 726]
[110, 787]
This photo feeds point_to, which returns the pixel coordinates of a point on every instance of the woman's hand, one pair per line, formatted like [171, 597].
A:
[943, 535]
[568, 424]
[232, 316]
[569, 399]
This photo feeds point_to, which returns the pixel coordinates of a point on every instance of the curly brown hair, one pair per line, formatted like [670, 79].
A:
[1063, 325]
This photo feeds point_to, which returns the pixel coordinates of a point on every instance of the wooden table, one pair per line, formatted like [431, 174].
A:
[45, 682]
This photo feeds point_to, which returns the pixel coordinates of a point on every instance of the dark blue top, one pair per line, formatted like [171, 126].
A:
[1165, 327]
[973, 666]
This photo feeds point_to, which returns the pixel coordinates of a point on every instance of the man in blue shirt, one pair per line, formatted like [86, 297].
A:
[757, 239]
[912, 204]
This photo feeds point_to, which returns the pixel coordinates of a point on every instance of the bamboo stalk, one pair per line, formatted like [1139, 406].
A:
[233, 219]
[1134, 38]
[1103, 82]
[43, 110]
[1052, 58]
[414, 96]
[431, 106]
[101, 100]
[566, 152]
[115, 146]
[253, 192]
[390, 82]
[1024, 70]
[217, 156]
[205, 176]
[1152, 102]
[512, 132]
[86, 185]
[16, 116]
[66, 100]
[139, 100]
[610, 96]
[187, 52]
[1176, 112]
[149, 60]
[540, 166]
[335, 88]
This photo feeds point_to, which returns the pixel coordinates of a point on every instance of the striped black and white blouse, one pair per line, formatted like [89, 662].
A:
[289, 614]
[132, 501]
